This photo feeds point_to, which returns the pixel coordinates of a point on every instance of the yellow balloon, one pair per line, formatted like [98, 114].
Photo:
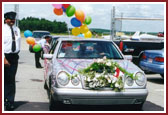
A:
[88, 34]
[84, 29]
[75, 31]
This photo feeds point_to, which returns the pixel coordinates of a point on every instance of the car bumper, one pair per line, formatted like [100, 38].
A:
[156, 68]
[99, 97]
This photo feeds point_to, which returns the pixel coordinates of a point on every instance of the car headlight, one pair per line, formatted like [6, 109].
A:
[129, 81]
[62, 78]
[75, 81]
[140, 78]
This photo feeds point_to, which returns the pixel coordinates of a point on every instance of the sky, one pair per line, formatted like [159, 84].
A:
[100, 14]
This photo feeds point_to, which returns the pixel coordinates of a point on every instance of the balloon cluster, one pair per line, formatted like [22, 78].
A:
[80, 21]
[31, 41]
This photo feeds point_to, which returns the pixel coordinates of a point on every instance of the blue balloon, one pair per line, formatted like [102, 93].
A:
[81, 35]
[75, 22]
[28, 33]
[64, 9]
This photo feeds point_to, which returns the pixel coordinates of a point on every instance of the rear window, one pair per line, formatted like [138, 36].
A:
[88, 50]
[40, 34]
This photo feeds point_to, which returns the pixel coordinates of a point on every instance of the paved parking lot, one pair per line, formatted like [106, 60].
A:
[31, 96]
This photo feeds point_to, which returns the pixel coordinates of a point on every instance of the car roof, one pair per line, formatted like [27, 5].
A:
[40, 31]
[81, 39]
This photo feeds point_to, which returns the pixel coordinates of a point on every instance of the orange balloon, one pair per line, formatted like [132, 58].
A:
[80, 15]
[30, 41]
[58, 12]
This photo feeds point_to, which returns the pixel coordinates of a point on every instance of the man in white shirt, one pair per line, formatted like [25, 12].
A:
[12, 40]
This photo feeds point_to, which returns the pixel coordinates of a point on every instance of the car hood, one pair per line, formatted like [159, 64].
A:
[72, 66]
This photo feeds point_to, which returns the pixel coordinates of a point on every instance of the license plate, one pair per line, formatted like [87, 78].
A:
[150, 60]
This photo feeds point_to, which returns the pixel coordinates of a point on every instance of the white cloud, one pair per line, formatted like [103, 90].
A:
[86, 8]
[100, 13]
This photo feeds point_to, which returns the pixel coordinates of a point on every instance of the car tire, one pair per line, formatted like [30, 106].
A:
[54, 105]
[52, 102]
[162, 75]
[138, 107]
[45, 85]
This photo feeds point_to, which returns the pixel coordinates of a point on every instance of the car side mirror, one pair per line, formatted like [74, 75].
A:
[48, 56]
[128, 57]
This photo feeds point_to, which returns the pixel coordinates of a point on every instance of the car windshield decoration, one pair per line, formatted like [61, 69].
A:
[88, 50]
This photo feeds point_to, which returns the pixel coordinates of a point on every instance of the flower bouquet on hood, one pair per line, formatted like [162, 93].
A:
[104, 73]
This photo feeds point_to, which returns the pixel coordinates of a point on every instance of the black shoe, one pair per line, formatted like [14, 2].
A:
[10, 107]
[39, 67]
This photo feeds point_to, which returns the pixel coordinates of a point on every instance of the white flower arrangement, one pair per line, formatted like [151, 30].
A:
[101, 73]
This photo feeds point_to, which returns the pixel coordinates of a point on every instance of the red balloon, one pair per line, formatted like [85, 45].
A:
[65, 5]
[58, 11]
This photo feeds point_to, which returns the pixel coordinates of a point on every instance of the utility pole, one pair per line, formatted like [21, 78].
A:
[16, 9]
[113, 23]
[121, 21]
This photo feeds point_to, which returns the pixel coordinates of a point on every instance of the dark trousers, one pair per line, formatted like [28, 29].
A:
[9, 77]
[37, 59]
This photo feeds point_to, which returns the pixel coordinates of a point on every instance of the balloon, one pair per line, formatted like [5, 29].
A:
[28, 33]
[70, 11]
[75, 22]
[64, 9]
[65, 5]
[36, 48]
[58, 12]
[84, 29]
[75, 31]
[88, 20]
[81, 35]
[80, 15]
[88, 34]
[30, 41]
[57, 6]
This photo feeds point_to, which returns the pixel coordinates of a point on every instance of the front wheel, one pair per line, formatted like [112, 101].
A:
[54, 105]
[138, 107]
[45, 85]
[162, 75]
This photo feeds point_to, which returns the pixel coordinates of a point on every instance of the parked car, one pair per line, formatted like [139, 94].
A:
[153, 61]
[70, 55]
[38, 34]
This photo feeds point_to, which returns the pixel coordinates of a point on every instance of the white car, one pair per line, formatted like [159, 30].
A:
[70, 55]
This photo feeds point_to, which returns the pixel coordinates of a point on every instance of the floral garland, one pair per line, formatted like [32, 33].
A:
[101, 74]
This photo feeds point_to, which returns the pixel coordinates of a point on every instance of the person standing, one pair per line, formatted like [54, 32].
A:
[45, 46]
[12, 41]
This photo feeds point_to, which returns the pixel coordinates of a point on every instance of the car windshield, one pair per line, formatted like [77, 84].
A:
[40, 34]
[88, 50]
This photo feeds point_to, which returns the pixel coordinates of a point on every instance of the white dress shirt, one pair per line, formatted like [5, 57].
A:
[42, 42]
[8, 39]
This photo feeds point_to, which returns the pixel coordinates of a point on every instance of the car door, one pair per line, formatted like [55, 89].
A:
[48, 63]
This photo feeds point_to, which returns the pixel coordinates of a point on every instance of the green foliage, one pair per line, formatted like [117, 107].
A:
[31, 23]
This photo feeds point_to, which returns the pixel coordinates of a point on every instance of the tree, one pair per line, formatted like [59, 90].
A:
[31, 23]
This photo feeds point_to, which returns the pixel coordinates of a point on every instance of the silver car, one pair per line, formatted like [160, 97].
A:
[70, 55]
